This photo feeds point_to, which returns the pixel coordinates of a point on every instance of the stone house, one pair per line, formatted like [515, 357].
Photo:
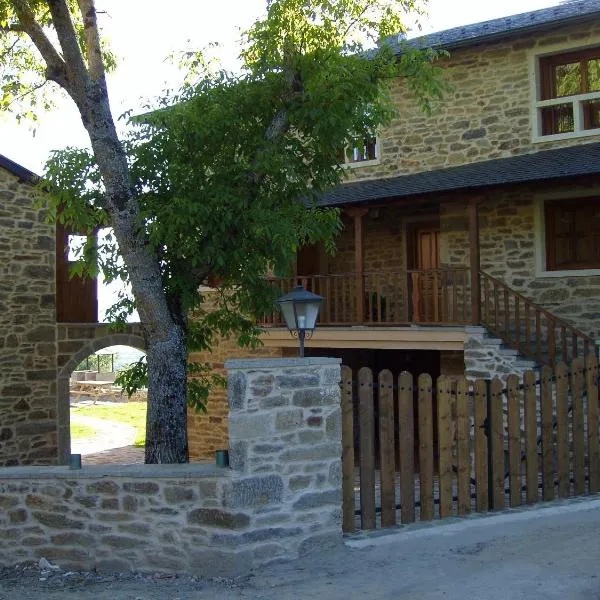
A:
[48, 325]
[471, 238]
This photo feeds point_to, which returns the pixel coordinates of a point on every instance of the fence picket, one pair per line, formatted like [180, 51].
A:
[531, 455]
[426, 446]
[547, 434]
[562, 429]
[497, 443]
[387, 467]
[514, 440]
[367, 449]
[407, 447]
[444, 399]
[481, 447]
[348, 521]
[577, 427]
[591, 365]
[463, 446]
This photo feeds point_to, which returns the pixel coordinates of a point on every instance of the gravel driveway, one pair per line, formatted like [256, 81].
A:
[547, 553]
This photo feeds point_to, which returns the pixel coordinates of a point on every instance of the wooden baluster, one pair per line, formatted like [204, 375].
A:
[574, 343]
[538, 335]
[496, 309]
[344, 300]
[436, 296]
[506, 315]
[328, 300]
[586, 348]
[517, 324]
[486, 301]
[405, 299]
[551, 340]
[563, 344]
[454, 308]
[527, 329]
[416, 298]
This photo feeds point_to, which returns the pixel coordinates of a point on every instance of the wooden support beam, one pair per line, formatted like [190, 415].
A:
[475, 260]
[359, 259]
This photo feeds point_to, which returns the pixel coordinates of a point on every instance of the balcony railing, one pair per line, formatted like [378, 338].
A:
[429, 297]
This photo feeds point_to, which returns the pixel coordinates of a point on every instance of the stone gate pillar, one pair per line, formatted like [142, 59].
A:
[285, 453]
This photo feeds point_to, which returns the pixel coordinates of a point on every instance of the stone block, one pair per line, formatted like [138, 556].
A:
[255, 491]
[243, 426]
[146, 488]
[102, 487]
[177, 495]
[56, 521]
[333, 425]
[316, 499]
[218, 518]
[288, 420]
[236, 391]
[316, 397]
[294, 382]
[73, 538]
[314, 453]
[238, 454]
[123, 542]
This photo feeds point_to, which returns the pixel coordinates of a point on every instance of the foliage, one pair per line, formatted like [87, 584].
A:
[101, 362]
[227, 172]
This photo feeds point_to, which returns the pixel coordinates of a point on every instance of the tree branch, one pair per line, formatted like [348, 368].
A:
[67, 36]
[92, 40]
[56, 68]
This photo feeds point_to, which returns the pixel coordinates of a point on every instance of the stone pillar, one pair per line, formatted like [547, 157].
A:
[285, 454]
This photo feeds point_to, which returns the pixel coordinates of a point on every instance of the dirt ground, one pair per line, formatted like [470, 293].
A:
[546, 553]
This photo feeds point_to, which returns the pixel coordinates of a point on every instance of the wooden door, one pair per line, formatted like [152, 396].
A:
[425, 278]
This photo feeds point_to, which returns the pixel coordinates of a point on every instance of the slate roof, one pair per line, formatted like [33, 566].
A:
[583, 159]
[16, 169]
[521, 24]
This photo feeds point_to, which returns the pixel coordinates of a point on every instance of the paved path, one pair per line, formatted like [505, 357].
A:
[545, 553]
[110, 435]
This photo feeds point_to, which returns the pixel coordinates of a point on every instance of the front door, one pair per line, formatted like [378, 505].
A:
[424, 264]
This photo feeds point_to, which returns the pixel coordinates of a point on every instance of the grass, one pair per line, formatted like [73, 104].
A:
[129, 413]
[79, 432]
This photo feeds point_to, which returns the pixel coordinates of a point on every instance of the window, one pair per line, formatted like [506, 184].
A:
[367, 151]
[573, 234]
[569, 93]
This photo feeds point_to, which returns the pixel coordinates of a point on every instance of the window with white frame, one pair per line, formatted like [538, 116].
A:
[568, 98]
[364, 152]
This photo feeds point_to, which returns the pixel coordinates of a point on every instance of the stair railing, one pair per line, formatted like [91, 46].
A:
[525, 326]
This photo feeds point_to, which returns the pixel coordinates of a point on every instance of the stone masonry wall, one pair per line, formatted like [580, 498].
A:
[508, 253]
[280, 498]
[487, 116]
[285, 443]
[28, 326]
[208, 431]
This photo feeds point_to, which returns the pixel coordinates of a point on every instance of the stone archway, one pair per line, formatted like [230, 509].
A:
[76, 342]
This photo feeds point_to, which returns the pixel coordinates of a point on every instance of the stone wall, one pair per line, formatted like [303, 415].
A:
[285, 443]
[281, 497]
[208, 431]
[28, 326]
[509, 250]
[487, 116]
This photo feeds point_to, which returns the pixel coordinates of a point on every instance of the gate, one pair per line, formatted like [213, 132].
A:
[414, 451]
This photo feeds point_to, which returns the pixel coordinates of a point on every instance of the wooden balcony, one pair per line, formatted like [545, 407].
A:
[386, 298]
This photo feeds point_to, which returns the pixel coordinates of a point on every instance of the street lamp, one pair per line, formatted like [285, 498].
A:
[300, 310]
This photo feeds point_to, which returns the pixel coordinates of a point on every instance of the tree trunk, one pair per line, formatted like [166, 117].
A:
[166, 423]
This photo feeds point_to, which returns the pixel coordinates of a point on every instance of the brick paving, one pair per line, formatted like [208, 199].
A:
[126, 455]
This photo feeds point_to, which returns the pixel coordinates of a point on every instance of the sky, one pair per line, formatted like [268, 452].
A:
[142, 33]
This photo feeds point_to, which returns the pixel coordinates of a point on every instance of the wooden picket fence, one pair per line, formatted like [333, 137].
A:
[463, 446]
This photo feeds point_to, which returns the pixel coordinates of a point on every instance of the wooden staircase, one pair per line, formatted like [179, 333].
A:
[529, 329]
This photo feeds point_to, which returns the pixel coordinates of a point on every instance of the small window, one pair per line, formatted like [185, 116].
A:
[364, 152]
[573, 234]
[566, 80]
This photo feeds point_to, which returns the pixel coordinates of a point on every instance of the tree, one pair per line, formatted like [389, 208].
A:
[222, 180]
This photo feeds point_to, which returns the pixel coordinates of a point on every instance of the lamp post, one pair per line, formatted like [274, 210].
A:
[300, 310]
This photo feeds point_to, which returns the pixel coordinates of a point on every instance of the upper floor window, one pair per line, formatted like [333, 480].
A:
[361, 153]
[569, 93]
[572, 234]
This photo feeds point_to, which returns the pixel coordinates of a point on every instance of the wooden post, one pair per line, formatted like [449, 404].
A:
[359, 259]
[474, 262]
